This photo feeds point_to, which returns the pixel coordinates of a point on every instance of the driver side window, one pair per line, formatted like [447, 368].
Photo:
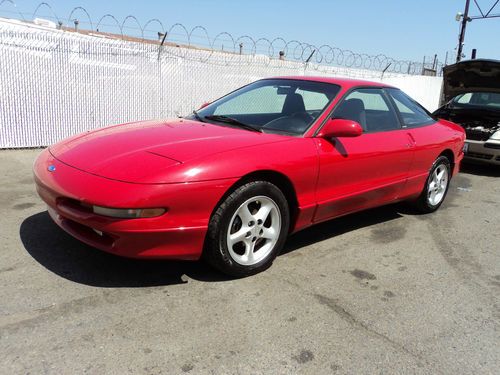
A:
[370, 108]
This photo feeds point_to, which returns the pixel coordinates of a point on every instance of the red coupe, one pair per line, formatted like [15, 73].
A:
[231, 181]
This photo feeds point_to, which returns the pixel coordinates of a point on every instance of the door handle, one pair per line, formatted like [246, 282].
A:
[412, 143]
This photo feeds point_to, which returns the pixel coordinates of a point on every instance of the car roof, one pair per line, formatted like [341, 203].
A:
[343, 82]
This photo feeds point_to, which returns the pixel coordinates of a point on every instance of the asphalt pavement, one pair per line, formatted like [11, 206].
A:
[385, 291]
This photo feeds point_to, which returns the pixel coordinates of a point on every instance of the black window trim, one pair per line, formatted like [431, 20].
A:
[384, 93]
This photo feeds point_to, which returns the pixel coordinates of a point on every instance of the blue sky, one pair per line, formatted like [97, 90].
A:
[396, 28]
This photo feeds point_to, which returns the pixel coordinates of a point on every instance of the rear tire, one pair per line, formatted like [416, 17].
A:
[436, 186]
[248, 229]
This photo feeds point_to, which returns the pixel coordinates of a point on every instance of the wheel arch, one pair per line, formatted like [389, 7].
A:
[450, 156]
[279, 179]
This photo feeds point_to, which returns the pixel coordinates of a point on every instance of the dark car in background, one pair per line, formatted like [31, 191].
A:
[472, 95]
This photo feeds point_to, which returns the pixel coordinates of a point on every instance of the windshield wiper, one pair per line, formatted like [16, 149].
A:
[232, 121]
[197, 116]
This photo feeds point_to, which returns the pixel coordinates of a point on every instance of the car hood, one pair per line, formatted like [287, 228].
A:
[471, 76]
[141, 152]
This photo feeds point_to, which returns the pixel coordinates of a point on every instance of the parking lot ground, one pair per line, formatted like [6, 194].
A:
[383, 291]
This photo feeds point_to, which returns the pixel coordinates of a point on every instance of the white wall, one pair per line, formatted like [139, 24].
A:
[426, 90]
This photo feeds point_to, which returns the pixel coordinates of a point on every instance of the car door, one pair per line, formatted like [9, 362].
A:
[426, 135]
[365, 171]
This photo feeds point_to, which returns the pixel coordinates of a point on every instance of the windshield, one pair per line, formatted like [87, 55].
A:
[271, 105]
[484, 100]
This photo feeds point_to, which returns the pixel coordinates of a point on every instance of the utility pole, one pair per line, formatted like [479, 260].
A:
[465, 19]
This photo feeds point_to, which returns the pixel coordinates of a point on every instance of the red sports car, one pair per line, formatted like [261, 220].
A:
[231, 181]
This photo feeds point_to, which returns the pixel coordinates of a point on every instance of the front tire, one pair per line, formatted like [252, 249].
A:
[436, 186]
[248, 229]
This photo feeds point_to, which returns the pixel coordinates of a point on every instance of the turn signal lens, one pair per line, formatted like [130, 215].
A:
[152, 212]
[130, 213]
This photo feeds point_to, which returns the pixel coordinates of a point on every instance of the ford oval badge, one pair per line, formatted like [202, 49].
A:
[51, 168]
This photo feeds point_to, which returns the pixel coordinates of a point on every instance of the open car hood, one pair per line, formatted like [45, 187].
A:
[471, 76]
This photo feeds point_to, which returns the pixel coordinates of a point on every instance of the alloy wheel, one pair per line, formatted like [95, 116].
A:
[437, 186]
[254, 230]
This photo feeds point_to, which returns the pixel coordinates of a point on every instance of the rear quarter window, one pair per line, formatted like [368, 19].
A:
[412, 113]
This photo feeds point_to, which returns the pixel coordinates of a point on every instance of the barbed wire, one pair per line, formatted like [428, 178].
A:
[199, 37]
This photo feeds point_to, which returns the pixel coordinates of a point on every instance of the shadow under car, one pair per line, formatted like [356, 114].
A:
[73, 260]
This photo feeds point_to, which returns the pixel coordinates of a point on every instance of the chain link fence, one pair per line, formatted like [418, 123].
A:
[56, 83]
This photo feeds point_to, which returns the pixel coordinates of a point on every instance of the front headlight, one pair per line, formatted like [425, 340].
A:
[128, 213]
[496, 136]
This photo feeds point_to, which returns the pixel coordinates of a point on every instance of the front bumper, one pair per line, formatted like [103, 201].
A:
[483, 152]
[177, 234]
